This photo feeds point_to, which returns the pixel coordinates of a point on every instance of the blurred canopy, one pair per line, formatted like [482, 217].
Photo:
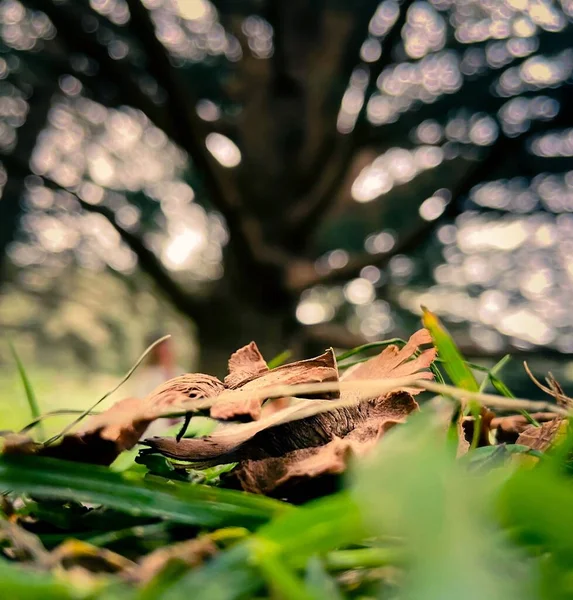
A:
[303, 173]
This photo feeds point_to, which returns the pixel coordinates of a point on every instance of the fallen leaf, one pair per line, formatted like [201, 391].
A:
[297, 427]
[393, 362]
[314, 370]
[74, 554]
[278, 452]
[24, 545]
[509, 427]
[101, 438]
[285, 456]
[195, 387]
[245, 364]
[543, 437]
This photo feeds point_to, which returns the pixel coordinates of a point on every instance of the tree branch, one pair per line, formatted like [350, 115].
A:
[148, 261]
[480, 171]
[118, 72]
[306, 217]
[187, 304]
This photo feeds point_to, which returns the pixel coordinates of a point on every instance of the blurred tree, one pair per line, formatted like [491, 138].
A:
[328, 140]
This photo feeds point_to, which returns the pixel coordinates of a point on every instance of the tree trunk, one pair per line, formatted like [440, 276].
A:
[228, 325]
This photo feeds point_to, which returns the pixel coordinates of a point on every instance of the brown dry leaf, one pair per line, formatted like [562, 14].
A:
[467, 425]
[280, 458]
[393, 362]
[191, 553]
[101, 438]
[314, 370]
[353, 428]
[543, 437]
[509, 427]
[245, 364]
[18, 443]
[24, 545]
[280, 451]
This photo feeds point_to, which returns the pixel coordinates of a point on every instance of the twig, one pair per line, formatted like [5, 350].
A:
[363, 390]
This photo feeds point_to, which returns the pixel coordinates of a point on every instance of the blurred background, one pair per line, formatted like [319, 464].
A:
[301, 173]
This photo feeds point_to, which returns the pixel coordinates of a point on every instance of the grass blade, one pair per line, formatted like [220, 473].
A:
[359, 349]
[492, 375]
[108, 394]
[28, 389]
[500, 386]
[182, 503]
[314, 529]
[279, 359]
[456, 368]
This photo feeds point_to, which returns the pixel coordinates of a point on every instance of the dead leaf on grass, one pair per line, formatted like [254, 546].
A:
[278, 452]
[543, 437]
[508, 428]
[321, 369]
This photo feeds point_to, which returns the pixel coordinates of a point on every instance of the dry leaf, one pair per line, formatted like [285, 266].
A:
[314, 370]
[393, 362]
[101, 438]
[278, 452]
[509, 427]
[282, 457]
[24, 545]
[543, 437]
[74, 554]
[245, 364]
[289, 445]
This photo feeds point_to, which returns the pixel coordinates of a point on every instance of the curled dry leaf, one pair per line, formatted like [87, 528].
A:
[100, 438]
[277, 460]
[510, 427]
[306, 439]
[543, 437]
[245, 364]
[314, 370]
[76, 554]
[393, 362]
[280, 451]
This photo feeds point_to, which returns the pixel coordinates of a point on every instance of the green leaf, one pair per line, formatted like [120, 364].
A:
[454, 364]
[28, 389]
[181, 503]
